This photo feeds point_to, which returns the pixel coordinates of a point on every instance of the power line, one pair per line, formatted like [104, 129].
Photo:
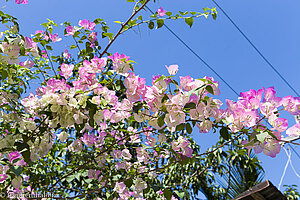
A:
[291, 163]
[197, 55]
[256, 49]
[285, 168]
[294, 151]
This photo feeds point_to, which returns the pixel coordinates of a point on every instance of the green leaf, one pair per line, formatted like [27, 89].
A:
[70, 178]
[73, 46]
[189, 128]
[224, 133]
[118, 22]
[160, 120]
[22, 51]
[189, 21]
[262, 136]
[132, 22]
[128, 182]
[180, 194]
[194, 90]
[160, 23]
[190, 105]
[183, 13]
[77, 176]
[4, 74]
[151, 25]
[180, 127]
[214, 15]
[17, 170]
[209, 89]
[168, 194]
[169, 13]
[49, 48]
[110, 35]
[24, 149]
[88, 47]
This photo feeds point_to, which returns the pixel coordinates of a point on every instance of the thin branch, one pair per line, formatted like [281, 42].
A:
[291, 142]
[76, 43]
[122, 27]
[50, 60]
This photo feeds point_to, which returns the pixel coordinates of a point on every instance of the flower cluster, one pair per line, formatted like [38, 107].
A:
[260, 110]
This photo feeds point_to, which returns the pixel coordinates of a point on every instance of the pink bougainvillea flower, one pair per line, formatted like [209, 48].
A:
[66, 54]
[92, 26]
[120, 187]
[258, 147]
[161, 12]
[279, 124]
[66, 70]
[172, 69]
[272, 149]
[291, 104]
[70, 30]
[29, 43]
[126, 154]
[117, 57]
[55, 37]
[21, 1]
[120, 63]
[99, 63]
[92, 38]
[88, 140]
[13, 156]
[21, 163]
[76, 145]
[27, 64]
[86, 24]
[187, 151]
[140, 185]
[3, 177]
[294, 130]
[44, 54]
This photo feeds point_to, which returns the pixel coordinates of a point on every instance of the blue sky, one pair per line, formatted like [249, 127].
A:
[273, 25]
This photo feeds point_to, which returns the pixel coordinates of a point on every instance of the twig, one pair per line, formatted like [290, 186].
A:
[50, 60]
[122, 27]
[76, 43]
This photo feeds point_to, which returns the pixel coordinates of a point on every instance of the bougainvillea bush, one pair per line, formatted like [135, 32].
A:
[93, 128]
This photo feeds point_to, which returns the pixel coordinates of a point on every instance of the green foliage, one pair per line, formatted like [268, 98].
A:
[189, 21]
[291, 192]
[241, 172]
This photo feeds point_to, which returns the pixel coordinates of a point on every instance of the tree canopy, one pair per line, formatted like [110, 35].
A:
[93, 128]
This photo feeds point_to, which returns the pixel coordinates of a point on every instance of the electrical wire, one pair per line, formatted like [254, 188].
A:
[256, 49]
[285, 168]
[291, 163]
[197, 55]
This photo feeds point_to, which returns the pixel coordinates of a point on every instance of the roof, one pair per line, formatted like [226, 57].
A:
[263, 191]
